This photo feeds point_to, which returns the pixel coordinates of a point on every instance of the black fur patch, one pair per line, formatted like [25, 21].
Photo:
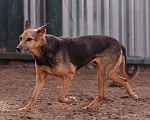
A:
[84, 49]
[48, 52]
[80, 50]
[126, 68]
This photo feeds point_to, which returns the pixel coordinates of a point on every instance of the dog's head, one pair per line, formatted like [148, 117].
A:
[31, 39]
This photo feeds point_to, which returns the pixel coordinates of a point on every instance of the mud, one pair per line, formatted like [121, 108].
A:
[17, 82]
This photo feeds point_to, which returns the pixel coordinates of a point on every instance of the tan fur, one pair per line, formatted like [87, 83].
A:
[60, 71]
[122, 70]
[67, 74]
[107, 66]
[33, 46]
[109, 72]
[41, 78]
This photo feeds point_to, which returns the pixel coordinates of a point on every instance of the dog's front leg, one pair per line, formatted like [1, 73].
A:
[66, 84]
[41, 78]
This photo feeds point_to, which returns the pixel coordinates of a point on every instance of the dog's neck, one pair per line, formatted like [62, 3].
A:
[48, 51]
[36, 51]
[51, 45]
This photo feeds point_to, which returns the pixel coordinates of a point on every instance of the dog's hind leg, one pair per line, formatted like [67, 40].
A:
[66, 84]
[101, 86]
[123, 81]
[41, 78]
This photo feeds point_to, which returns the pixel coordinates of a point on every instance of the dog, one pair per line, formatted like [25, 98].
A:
[62, 56]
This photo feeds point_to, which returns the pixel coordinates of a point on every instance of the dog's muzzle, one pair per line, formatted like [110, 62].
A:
[18, 49]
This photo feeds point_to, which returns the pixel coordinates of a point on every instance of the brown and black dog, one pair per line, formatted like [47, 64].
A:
[62, 56]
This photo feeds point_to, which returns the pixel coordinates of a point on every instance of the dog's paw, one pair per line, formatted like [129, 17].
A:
[86, 107]
[73, 99]
[24, 109]
[136, 97]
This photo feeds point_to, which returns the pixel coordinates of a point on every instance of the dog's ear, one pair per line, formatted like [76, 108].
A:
[26, 26]
[42, 29]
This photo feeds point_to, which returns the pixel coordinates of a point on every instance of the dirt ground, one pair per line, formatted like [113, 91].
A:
[17, 82]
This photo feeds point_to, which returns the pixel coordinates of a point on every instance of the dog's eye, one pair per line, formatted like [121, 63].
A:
[29, 39]
[20, 38]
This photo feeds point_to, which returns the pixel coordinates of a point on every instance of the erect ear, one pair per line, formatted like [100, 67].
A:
[26, 26]
[42, 29]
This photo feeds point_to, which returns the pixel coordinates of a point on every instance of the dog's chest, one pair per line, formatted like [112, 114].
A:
[60, 70]
[49, 70]
[46, 60]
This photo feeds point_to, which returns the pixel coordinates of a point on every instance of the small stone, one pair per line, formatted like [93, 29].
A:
[49, 103]
[74, 103]
[28, 117]
[11, 104]
[59, 87]
[39, 98]
[81, 99]
[44, 88]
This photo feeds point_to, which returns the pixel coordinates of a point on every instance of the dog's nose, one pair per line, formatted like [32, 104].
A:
[18, 49]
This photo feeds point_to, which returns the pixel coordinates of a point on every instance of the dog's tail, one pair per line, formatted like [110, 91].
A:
[124, 70]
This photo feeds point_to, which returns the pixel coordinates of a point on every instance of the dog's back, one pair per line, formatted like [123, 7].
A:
[84, 49]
